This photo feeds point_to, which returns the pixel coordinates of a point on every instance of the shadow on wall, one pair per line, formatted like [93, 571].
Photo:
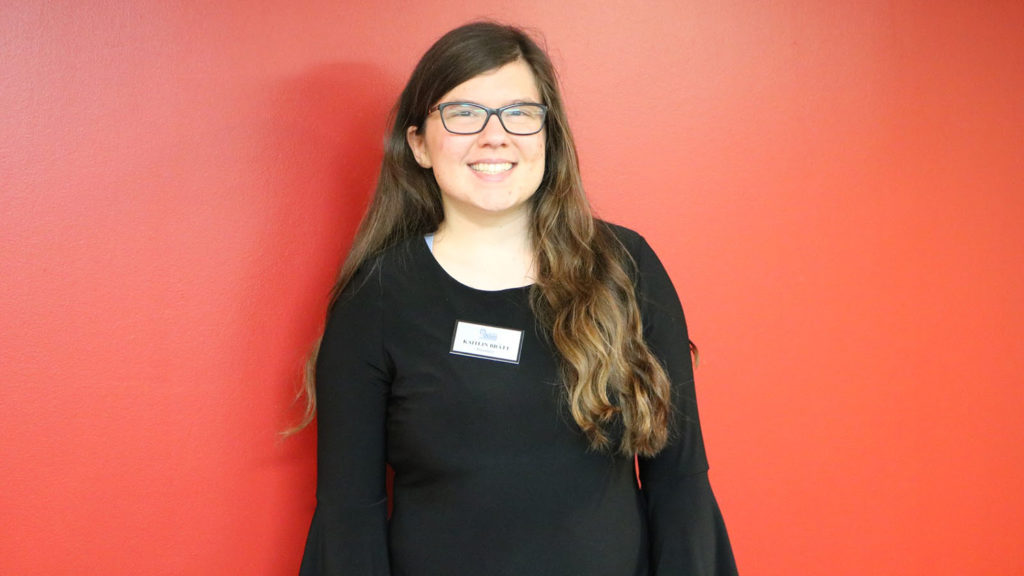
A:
[329, 125]
[330, 129]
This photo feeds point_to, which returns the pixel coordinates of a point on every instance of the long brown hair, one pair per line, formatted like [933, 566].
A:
[583, 297]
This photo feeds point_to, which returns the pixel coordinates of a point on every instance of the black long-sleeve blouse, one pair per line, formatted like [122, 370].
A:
[458, 390]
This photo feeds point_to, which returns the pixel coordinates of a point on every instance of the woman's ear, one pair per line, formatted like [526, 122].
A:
[418, 146]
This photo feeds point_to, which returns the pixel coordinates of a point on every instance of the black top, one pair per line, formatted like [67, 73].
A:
[492, 476]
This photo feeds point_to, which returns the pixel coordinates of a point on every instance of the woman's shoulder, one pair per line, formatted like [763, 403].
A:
[632, 241]
[384, 267]
[620, 231]
[399, 256]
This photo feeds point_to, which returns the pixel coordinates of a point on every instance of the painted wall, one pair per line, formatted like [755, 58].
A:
[837, 189]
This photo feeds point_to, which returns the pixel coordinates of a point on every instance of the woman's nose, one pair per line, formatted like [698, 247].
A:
[493, 130]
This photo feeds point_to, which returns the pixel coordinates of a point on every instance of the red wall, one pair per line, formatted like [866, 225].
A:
[836, 188]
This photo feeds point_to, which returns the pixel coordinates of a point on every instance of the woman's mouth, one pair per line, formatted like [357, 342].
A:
[491, 167]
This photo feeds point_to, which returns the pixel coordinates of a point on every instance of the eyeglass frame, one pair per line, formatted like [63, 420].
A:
[490, 112]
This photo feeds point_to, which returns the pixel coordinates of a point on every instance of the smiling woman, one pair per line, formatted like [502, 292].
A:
[485, 173]
[512, 358]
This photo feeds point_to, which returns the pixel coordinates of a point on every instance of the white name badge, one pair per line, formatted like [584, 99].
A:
[488, 342]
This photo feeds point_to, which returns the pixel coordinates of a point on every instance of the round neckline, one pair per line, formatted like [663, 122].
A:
[429, 254]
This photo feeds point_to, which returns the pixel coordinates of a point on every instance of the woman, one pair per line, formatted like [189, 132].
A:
[506, 353]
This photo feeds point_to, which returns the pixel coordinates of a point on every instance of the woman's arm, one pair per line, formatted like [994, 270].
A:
[348, 534]
[688, 535]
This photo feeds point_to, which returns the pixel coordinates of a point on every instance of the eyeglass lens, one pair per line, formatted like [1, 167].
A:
[522, 119]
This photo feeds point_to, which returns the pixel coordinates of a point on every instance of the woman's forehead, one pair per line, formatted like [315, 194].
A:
[508, 84]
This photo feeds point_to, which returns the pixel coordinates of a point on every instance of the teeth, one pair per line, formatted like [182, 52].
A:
[491, 168]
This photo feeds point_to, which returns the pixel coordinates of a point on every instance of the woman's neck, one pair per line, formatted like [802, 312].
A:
[493, 254]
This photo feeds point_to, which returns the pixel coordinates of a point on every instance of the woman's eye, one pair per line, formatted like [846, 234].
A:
[524, 112]
[461, 112]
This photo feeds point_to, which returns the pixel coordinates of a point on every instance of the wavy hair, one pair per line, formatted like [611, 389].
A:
[583, 296]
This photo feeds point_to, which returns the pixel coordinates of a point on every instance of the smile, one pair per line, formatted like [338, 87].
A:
[491, 168]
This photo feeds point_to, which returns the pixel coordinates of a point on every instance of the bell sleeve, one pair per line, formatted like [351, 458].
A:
[686, 530]
[348, 533]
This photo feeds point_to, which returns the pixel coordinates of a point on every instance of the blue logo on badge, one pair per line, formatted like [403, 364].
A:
[485, 335]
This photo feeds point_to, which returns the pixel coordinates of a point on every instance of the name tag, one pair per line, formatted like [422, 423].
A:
[492, 343]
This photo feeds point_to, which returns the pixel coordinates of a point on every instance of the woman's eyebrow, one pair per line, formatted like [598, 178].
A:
[509, 103]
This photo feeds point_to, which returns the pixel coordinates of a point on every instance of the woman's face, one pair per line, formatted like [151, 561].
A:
[492, 172]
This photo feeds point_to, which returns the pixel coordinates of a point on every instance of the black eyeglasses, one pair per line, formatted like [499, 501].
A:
[468, 118]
